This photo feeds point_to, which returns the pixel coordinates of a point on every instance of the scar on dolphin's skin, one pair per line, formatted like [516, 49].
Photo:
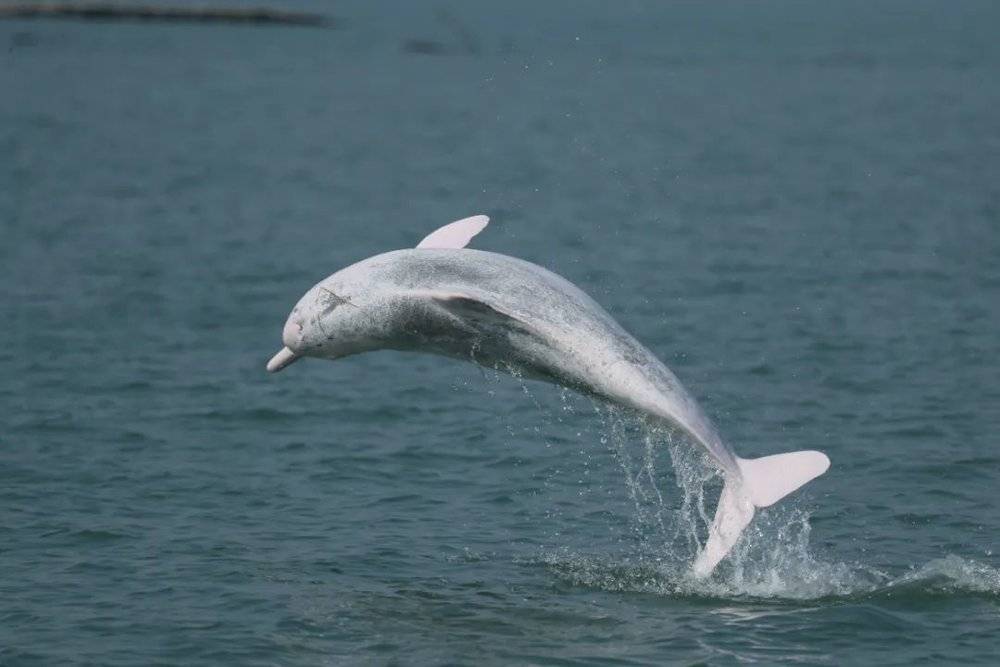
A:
[330, 302]
[334, 300]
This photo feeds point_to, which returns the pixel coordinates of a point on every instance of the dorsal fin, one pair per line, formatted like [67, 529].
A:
[456, 234]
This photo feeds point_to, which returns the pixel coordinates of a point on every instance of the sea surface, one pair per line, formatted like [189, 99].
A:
[796, 205]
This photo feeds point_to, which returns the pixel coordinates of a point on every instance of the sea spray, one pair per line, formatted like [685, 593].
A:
[671, 488]
[772, 559]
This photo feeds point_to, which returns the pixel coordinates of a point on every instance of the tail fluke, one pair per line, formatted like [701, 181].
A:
[762, 482]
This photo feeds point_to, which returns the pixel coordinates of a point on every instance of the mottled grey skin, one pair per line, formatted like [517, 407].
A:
[500, 312]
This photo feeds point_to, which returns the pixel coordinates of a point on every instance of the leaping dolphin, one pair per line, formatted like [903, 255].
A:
[512, 315]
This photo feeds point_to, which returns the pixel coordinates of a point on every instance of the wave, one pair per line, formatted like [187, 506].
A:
[951, 576]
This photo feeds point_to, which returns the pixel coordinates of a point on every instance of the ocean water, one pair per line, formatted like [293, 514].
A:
[795, 205]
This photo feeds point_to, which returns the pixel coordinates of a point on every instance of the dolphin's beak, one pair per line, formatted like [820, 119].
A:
[285, 357]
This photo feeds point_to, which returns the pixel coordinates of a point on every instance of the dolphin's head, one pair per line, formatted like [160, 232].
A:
[331, 320]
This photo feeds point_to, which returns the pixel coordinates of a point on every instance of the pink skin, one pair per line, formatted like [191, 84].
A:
[558, 331]
[291, 333]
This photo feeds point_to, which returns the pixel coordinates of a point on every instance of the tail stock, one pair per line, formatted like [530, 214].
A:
[761, 483]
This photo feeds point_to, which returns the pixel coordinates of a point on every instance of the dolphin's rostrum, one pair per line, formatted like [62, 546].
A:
[510, 314]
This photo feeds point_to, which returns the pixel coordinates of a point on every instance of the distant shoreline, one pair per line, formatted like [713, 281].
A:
[167, 14]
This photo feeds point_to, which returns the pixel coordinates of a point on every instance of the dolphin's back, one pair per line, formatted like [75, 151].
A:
[516, 315]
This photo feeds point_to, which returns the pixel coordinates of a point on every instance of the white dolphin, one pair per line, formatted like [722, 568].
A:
[513, 315]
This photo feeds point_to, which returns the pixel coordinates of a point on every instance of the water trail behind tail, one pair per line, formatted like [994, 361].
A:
[672, 488]
[773, 556]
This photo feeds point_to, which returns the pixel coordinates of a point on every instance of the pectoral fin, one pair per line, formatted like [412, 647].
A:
[471, 308]
[478, 312]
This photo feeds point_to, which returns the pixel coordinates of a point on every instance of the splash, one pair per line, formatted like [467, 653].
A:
[672, 488]
[949, 575]
[804, 579]
[772, 559]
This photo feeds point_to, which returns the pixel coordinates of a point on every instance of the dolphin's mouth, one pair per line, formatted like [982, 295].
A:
[285, 357]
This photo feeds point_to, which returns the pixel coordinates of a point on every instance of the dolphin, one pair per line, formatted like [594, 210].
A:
[515, 316]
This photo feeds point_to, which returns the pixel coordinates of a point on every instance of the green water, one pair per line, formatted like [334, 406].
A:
[794, 205]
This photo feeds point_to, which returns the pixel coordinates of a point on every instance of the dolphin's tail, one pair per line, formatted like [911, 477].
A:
[760, 483]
